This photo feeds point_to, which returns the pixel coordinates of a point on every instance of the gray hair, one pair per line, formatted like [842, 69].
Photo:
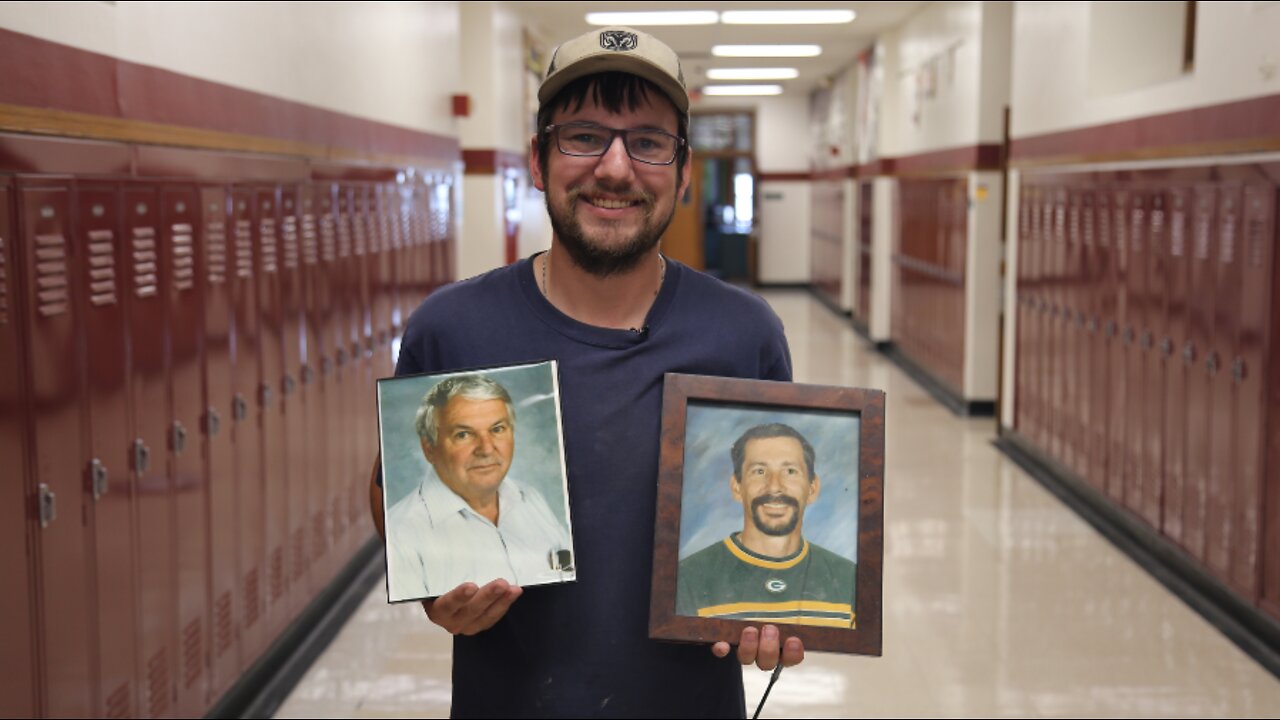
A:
[471, 387]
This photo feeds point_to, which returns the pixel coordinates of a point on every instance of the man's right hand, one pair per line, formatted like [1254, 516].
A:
[467, 610]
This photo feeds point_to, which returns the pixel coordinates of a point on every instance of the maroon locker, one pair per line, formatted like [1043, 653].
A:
[1153, 362]
[319, 269]
[179, 214]
[1104, 309]
[1091, 343]
[1134, 289]
[299, 245]
[1072, 324]
[1177, 373]
[347, 333]
[246, 436]
[450, 201]
[1220, 515]
[219, 275]
[17, 603]
[1199, 407]
[275, 479]
[366, 281]
[1116, 349]
[146, 289]
[107, 401]
[1035, 319]
[1248, 372]
[1056, 347]
[1022, 292]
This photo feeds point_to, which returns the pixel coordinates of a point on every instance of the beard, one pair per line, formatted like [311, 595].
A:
[783, 529]
[594, 256]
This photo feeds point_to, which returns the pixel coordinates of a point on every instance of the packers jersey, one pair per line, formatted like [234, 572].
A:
[813, 587]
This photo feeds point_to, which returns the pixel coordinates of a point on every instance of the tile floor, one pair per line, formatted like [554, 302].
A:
[998, 600]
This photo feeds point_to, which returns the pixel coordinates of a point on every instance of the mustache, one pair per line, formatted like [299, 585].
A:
[785, 499]
[635, 195]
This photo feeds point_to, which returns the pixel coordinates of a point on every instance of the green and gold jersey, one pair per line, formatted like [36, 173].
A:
[813, 587]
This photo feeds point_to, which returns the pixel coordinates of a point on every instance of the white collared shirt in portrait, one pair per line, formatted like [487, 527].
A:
[435, 541]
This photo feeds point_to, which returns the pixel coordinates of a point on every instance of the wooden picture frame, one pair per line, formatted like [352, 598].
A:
[709, 581]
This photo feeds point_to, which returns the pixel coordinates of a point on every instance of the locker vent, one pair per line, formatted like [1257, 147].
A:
[344, 236]
[328, 238]
[373, 231]
[270, 259]
[406, 229]
[1255, 229]
[252, 598]
[193, 652]
[1227, 231]
[222, 624]
[310, 247]
[215, 251]
[299, 553]
[102, 268]
[145, 277]
[359, 233]
[4, 285]
[277, 573]
[51, 275]
[318, 535]
[184, 265]
[158, 685]
[1178, 229]
[290, 235]
[1203, 211]
[118, 703]
[244, 250]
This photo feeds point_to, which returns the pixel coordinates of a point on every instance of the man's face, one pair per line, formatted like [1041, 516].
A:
[609, 211]
[775, 487]
[475, 440]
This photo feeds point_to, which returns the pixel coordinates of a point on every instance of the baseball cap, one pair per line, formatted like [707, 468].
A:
[620, 49]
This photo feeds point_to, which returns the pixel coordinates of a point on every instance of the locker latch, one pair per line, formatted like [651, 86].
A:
[212, 423]
[48, 506]
[1189, 353]
[342, 357]
[1128, 336]
[1147, 340]
[326, 366]
[1111, 329]
[264, 395]
[1166, 347]
[178, 437]
[1211, 362]
[287, 384]
[98, 478]
[141, 456]
[1093, 325]
[307, 374]
[1237, 369]
[239, 408]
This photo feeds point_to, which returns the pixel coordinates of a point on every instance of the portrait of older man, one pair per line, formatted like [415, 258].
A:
[468, 520]
[769, 571]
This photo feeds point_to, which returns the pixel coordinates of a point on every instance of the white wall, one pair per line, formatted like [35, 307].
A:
[1237, 57]
[387, 61]
[884, 243]
[492, 75]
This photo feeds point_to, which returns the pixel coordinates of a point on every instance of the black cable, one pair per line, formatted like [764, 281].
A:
[777, 671]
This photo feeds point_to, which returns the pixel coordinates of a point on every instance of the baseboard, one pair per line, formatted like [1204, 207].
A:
[263, 687]
[1248, 627]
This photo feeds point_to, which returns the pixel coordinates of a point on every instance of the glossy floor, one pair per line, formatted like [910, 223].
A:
[998, 600]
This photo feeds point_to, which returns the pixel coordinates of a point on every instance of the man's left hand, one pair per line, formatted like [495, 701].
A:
[764, 648]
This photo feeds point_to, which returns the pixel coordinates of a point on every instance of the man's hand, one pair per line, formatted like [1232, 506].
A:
[761, 646]
[467, 610]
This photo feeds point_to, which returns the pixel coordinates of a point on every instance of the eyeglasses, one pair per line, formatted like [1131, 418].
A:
[652, 147]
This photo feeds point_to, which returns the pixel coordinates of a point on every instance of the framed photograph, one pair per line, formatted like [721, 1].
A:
[473, 479]
[770, 510]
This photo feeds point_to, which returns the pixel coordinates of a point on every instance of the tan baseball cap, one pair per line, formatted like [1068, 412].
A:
[619, 49]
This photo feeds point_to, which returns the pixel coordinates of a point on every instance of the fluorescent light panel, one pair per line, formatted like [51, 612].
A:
[752, 74]
[676, 17]
[742, 90]
[787, 17]
[774, 51]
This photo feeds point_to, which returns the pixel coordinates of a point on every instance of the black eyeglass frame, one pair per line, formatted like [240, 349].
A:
[613, 134]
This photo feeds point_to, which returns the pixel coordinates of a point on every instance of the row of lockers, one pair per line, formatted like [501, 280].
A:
[928, 296]
[187, 377]
[862, 282]
[1144, 351]
[826, 246]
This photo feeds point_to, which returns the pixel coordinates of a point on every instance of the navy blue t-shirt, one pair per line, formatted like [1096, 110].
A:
[582, 648]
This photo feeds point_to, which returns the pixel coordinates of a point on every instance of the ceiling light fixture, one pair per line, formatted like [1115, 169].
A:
[678, 17]
[742, 90]
[787, 17]
[771, 51]
[752, 74]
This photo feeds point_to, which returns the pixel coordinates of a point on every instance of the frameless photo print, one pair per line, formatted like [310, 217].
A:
[474, 482]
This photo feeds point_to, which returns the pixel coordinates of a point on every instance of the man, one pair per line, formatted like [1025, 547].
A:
[469, 521]
[611, 153]
[768, 571]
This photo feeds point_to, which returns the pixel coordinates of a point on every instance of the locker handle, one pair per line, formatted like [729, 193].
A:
[1129, 334]
[326, 366]
[287, 385]
[178, 437]
[1238, 369]
[212, 422]
[1148, 340]
[1166, 347]
[342, 357]
[1111, 329]
[48, 509]
[239, 408]
[1092, 325]
[1189, 353]
[98, 478]
[264, 395]
[1211, 362]
[308, 374]
[1079, 319]
[141, 457]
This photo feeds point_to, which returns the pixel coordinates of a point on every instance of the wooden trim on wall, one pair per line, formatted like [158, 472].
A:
[489, 161]
[783, 176]
[935, 163]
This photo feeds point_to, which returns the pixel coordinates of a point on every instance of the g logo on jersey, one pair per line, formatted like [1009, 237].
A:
[775, 585]
[618, 40]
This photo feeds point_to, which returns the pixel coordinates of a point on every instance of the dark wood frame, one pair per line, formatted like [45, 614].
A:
[664, 624]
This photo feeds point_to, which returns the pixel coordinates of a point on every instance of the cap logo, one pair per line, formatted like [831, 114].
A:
[619, 40]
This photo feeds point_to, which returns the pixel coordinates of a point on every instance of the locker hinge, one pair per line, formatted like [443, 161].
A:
[48, 506]
[98, 478]
[212, 422]
[178, 437]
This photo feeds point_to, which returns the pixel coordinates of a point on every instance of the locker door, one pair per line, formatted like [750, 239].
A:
[1221, 518]
[321, 309]
[1153, 361]
[346, 333]
[365, 283]
[1176, 371]
[250, 514]
[112, 522]
[147, 287]
[1022, 294]
[1195, 357]
[217, 429]
[1134, 289]
[1073, 323]
[17, 603]
[1248, 374]
[1056, 366]
[180, 213]
[299, 247]
[1090, 399]
[269, 406]
[1104, 309]
[1031, 199]
[1116, 355]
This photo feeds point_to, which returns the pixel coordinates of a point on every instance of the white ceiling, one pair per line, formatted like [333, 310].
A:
[841, 44]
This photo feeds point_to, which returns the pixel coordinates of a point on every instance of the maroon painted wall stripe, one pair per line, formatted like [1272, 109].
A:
[488, 161]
